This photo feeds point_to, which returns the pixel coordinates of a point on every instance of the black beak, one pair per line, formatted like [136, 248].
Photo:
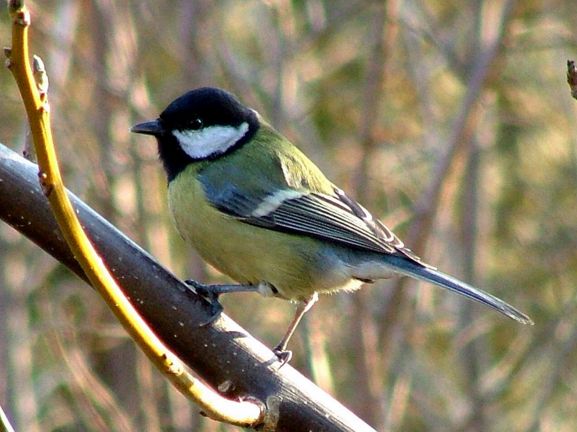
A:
[153, 127]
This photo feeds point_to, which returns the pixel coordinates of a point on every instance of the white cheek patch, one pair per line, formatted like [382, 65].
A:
[211, 140]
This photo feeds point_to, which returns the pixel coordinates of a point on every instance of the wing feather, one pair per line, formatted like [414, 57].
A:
[333, 217]
[320, 216]
[336, 218]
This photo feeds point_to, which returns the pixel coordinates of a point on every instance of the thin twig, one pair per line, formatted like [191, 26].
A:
[572, 77]
[5, 425]
[34, 96]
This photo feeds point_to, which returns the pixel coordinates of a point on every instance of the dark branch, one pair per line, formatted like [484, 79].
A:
[220, 352]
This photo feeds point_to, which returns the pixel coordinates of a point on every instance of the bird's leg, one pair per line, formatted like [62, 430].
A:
[280, 350]
[212, 292]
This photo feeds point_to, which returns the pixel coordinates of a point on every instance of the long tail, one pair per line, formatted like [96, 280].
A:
[427, 274]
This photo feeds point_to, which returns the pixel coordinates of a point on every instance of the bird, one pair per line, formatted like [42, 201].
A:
[259, 210]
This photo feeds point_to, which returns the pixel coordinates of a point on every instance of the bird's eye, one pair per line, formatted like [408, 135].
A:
[196, 124]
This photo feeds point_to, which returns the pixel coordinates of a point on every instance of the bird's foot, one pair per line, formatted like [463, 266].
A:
[210, 293]
[283, 355]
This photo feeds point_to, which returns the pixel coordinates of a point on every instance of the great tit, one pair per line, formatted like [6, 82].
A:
[256, 208]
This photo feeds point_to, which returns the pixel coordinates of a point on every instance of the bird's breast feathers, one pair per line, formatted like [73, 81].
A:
[295, 265]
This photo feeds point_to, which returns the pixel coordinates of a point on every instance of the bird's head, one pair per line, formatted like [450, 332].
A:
[205, 123]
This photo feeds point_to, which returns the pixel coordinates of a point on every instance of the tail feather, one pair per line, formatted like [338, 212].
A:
[431, 275]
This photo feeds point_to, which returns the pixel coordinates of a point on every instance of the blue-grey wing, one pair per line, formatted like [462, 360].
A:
[336, 218]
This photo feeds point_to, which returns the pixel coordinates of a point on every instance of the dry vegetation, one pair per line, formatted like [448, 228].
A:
[452, 121]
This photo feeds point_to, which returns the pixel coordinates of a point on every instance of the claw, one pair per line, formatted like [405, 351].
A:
[204, 290]
[280, 350]
[210, 296]
[284, 356]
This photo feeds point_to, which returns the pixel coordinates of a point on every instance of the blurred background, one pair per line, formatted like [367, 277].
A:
[450, 120]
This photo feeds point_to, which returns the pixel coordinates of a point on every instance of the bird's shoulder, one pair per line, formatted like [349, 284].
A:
[274, 185]
[267, 163]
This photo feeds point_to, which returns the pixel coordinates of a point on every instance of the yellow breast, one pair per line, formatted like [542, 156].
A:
[295, 265]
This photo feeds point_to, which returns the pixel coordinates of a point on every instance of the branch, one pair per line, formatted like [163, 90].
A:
[572, 77]
[222, 353]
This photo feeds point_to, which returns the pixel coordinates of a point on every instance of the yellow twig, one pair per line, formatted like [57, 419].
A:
[5, 425]
[34, 96]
